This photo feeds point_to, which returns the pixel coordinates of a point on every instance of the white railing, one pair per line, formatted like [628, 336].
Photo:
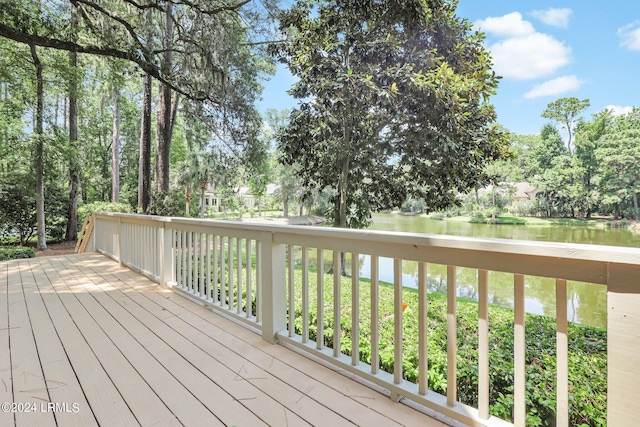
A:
[247, 271]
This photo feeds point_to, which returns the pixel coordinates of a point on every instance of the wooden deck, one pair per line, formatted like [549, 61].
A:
[86, 342]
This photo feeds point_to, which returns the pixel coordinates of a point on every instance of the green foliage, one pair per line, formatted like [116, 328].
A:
[371, 69]
[171, 204]
[565, 111]
[619, 155]
[587, 351]
[90, 208]
[16, 252]
[18, 212]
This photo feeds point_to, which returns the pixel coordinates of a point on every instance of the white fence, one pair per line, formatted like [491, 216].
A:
[248, 271]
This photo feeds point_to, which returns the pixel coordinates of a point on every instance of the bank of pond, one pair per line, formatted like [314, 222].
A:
[587, 350]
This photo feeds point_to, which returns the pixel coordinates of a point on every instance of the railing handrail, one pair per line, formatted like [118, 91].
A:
[568, 261]
[163, 248]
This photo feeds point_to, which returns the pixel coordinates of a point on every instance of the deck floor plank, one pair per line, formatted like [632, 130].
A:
[171, 393]
[6, 387]
[174, 352]
[64, 390]
[147, 407]
[233, 368]
[352, 400]
[104, 399]
[29, 386]
[132, 353]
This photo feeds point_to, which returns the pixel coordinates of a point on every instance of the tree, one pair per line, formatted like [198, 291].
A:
[586, 164]
[200, 170]
[619, 155]
[393, 103]
[565, 111]
[210, 52]
[39, 149]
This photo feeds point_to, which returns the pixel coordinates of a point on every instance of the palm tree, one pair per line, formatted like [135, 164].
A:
[199, 170]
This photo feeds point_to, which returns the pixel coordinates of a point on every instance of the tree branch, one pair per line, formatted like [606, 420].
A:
[148, 67]
[116, 18]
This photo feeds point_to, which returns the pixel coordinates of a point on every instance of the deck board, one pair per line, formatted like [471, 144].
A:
[6, 386]
[89, 331]
[62, 384]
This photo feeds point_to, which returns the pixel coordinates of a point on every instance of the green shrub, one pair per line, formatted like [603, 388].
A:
[587, 351]
[102, 207]
[16, 252]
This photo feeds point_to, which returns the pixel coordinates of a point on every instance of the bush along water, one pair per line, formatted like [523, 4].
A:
[587, 351]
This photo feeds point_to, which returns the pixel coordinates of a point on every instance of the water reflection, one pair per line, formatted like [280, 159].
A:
[586, 303]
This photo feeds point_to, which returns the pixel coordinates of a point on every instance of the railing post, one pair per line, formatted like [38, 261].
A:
[167, 259]
[273, 281]
[623, 344]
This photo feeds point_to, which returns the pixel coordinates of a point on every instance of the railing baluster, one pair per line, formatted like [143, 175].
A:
[239, 273]
[196, 258]
[320, 298]
[397, 322]
[422, 329]
[452, 341]
[375, 316]
[337, 311]
[355, 309]
[190, 261]
[519, 377]
[216, 288]
[178, 256]
[483, 344]
[208, 281]
[562, 356]
[305, 295]
[259, 281]
[231, 294]
[292, 297]
[223, 290]
[185, 280]
[201, 285]
[249, 300]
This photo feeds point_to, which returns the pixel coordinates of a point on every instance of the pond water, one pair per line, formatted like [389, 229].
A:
[586, 303]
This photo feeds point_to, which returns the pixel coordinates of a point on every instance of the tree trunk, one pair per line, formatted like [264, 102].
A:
[163, 139]
[164, 128]
[285, 202]
[115, 149]
[39, 151]
[202, 188]
[635, 205]
[144, 170]
[187, 198]
[74, 169]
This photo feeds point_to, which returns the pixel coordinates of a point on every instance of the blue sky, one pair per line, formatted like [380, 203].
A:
[544, 50]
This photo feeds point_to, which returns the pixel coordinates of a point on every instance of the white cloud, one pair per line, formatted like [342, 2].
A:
[630, 35]
[619, 110]
[522, 53]
[534, 56]
[555, 87]
[554, 17]
[510, 25]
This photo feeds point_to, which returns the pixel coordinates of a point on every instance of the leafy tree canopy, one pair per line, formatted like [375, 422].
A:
[565, 111]
[394, 103]
[133, 30]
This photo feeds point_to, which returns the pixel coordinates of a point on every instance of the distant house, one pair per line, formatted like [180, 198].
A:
[213, 199]
[524, 191]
